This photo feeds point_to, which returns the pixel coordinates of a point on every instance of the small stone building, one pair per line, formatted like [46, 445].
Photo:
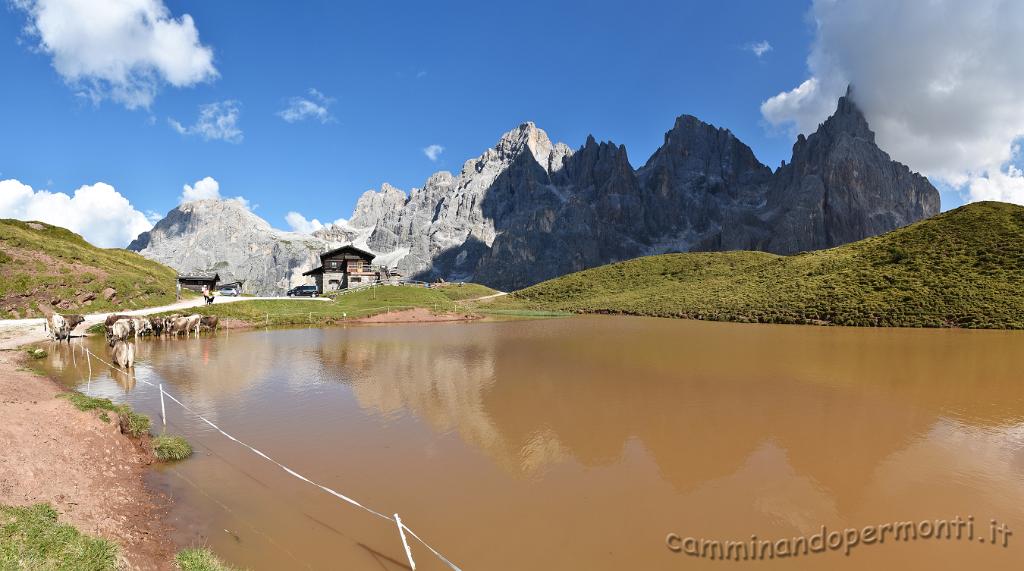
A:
[196, 281]
[343, 268]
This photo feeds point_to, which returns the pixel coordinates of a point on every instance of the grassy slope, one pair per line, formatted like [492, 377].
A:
[32, 538]
[963, 268]
[40, 263]
[359, 303]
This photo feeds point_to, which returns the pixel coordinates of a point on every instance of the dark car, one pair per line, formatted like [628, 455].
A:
[303, 291]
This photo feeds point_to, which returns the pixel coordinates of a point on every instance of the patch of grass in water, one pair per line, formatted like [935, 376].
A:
[169, 448]
[36, 353]
[200, 559]
[32, 538]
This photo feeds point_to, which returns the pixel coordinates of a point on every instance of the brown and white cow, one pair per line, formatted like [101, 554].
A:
[121, 330]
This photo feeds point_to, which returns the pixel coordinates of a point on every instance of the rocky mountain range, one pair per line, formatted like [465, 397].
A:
[528, 209]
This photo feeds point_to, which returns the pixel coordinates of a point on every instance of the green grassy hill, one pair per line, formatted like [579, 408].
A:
[963, 268]
[40, 263]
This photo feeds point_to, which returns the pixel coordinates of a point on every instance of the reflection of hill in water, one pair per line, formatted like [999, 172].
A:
[208, 368]
[701, 397]
[437, 372]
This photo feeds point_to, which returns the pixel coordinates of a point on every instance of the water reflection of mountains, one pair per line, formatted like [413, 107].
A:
[703, 400]
[700, 397]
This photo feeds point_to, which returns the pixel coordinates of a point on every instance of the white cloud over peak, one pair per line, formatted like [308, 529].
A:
[97, 212]
[123, 50]
[206, 188]
[203, 189]
[217, 122]
[941, 83]
[760, 48]
[433, 152]
[312, 106]
[298, 223]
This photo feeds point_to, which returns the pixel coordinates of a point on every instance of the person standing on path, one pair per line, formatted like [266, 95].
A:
[177, 290]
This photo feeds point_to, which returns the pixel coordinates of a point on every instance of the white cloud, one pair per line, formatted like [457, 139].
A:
[203, 189]
[1004, 186]
[941, 83]
[207, 188]
[122, 50]
[313, 106]
[433, 152]
[760, 48]
[97, 212]
[421, 74]
[299, 223]
[217, 122]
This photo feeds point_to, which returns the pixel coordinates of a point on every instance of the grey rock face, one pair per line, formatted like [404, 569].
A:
[529, 210]
[224, 236]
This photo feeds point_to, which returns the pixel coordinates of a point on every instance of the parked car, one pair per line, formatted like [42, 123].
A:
[229, 291]
[303, 291]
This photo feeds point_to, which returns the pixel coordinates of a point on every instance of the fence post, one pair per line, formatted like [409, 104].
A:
[163, 411]
[405, 543]
[267, 322]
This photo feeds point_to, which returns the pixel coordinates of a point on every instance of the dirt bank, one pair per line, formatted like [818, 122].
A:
[416, 315]
[89, 472]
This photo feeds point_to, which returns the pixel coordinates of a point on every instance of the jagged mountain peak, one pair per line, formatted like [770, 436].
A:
[526, 137]
[528, 209]
[847, 119]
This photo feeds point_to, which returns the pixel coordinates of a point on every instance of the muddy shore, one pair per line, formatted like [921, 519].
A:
[83, 467]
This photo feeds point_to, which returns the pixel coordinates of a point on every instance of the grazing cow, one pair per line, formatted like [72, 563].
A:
[112, 318]
[74, 320]
[156, 325]
[57, 327]
[140, 326]
[193, 323]
[209, 323]
[124, 354]
[119, 331]
[177, 325]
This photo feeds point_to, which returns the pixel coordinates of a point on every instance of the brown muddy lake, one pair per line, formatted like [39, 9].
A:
[581, 443]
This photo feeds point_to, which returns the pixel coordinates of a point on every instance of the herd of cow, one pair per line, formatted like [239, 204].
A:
[121, 329]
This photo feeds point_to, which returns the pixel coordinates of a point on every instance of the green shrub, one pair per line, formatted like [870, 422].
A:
[36, 353]
[168, 448]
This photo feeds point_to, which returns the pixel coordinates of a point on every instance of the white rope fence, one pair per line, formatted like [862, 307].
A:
[402, 528]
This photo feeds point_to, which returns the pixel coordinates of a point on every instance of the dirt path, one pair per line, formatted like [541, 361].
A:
[85, 468]
[416, 315]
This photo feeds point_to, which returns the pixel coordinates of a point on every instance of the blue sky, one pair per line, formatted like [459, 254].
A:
[403, 76]
[395, 78]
